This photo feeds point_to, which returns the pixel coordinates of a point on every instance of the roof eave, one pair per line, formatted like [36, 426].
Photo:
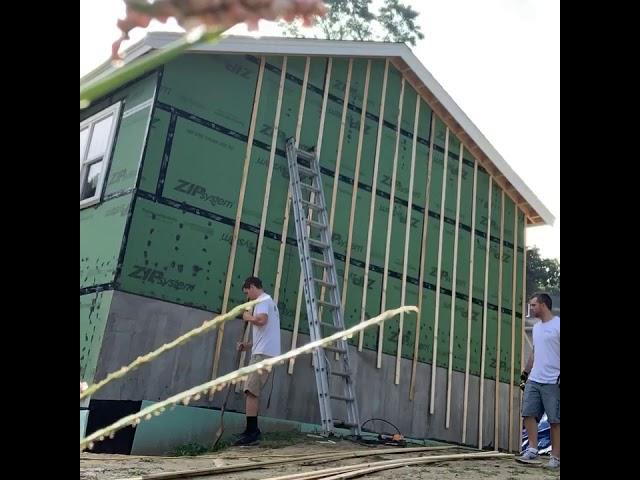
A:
[404, 59]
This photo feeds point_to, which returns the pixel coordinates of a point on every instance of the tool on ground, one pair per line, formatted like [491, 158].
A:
[384, 438]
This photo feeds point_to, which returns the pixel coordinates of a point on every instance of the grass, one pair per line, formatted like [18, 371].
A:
[278, 439]
[283, 439]
[190, 450]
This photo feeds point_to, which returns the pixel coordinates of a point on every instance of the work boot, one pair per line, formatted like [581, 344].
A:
[248, 438]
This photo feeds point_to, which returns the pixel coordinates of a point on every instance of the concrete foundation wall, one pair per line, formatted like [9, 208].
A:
[137, 325]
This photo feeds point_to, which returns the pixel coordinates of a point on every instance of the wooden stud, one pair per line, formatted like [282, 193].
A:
[272, 155]
[363, 469]
[432, 401]
[514, 281]
[374, 190]
[296, 321]
[407, 236]
[323, 110]
[287, 209]
[285, 224]
[453, 290]
[343, 122]
[484, 317]
[303, 98]
[335, 191]
[423, 256]
[318, 158]
[524, 302]
[336, 182]
[267, 191]
[236, 226]
[354, 192]
[469, 143]
[385, 277]
[465, 408]
[496, 414]
[253, 465]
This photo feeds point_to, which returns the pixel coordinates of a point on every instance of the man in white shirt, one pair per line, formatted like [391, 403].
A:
[265, 330]
[542, 377]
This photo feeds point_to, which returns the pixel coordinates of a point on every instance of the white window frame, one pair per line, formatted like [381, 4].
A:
[106, 159]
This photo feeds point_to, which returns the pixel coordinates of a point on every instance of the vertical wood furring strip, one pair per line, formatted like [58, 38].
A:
[514, 281]
[484, 317]
[407, 236]
[432, 397]
[236, 225]
[496, 414]
[454, 290]
[394, 173]
[524, 309]
[423, 255]
[267, 192]
[354, 192]
[374, 190]
[465, 408]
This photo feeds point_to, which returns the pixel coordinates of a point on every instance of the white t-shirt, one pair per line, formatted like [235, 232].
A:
[266, 338]
[546, 351]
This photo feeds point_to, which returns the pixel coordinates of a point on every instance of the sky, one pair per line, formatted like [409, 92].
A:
[498, 59]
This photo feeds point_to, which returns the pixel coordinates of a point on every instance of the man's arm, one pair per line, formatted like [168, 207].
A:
[259, 319]
[529, 365]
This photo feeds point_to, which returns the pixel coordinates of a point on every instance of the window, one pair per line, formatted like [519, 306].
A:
[96, 142]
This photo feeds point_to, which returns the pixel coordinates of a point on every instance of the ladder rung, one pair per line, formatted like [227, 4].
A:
[309, 188]
[306, 171]
[340, 397]
[308, 156]
[326, 284]
[322, 263]
[315, 224]
[327, 304]
[341, 374]
[334, 349]
[312, 205]
[318, 243]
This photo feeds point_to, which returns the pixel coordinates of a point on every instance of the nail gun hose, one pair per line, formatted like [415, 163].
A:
[381, 420]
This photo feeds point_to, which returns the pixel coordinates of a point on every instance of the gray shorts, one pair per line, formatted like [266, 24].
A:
[540, 398]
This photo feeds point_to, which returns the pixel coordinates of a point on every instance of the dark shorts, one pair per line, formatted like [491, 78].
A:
[540, 398]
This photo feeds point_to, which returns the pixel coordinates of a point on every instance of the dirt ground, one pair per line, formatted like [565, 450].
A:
[111, 467]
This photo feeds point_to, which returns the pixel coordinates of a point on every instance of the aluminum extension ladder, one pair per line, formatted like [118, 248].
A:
[321, 290]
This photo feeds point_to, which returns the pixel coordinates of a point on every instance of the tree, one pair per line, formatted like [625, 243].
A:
[353, 20]
[543, 274]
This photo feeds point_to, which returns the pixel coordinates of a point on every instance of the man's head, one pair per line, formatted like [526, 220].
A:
[540, 305]
[252, 288]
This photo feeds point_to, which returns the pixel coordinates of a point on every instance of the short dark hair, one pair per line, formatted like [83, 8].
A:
[543, 298]
[255, 281]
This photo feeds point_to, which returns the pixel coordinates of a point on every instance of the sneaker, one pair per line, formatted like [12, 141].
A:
[528, 456]
[248, 438]
[554, 462]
